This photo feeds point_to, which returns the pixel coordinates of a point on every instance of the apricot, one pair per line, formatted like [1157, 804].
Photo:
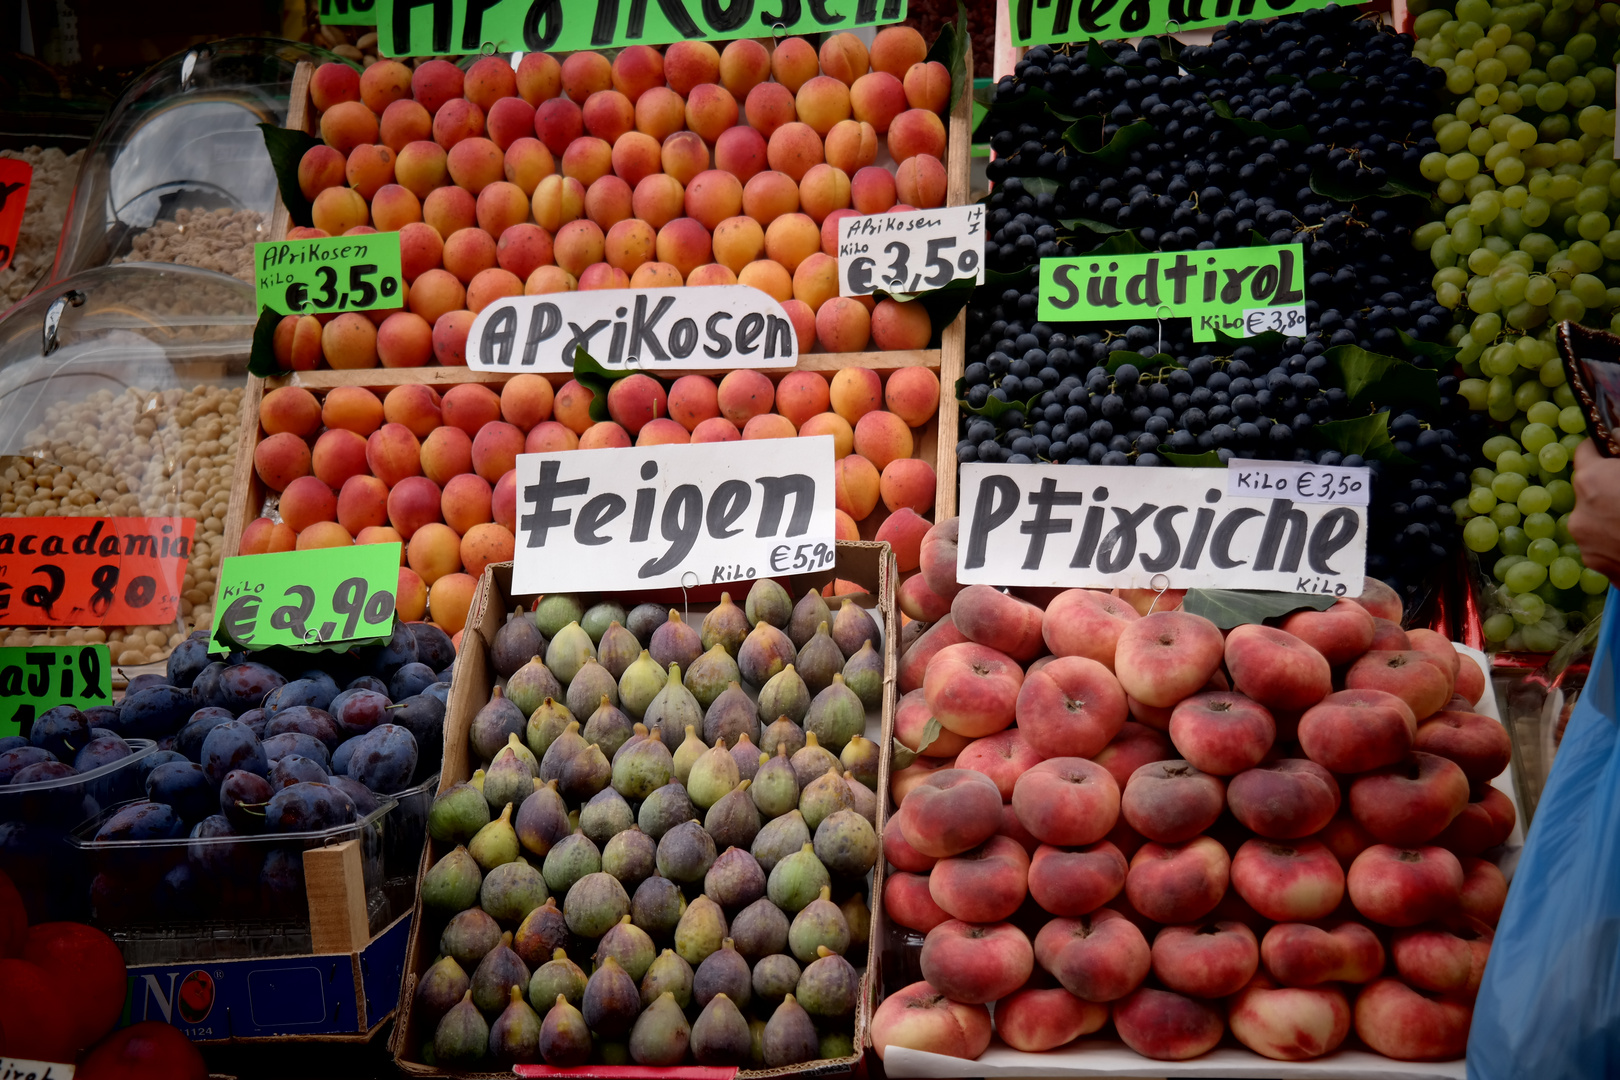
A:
[503, 503]
[557, 123]
[794, 63]
[324, 534]
[881, 437]
[572, 406]
[262, 535]
[843, 57]
[855, 392]
[822, 102]
[662, 432]
[692, 400]
[897, 325]
[711, 274]
[851, 145]
[689, 64]
[607, 202]
[744, 64]
[895, 48]
[290, 408]
[801, 395]
[912, 393]
[405, 339]
[501, 205]
[920, 181]
[740, 151]
[538, 78]
[656, 275]
[608, 114]
[823, 190]
[857, 485]
[877, 98]
[420, 167]
[447, 453]
[348, 124]
[450, 332]
[577, 245]
[549, 279]
[637, 69]
[548, 436]
[469, 406]
[410, 597]
[602, 276]
[685, 244]
[684, 155]
[635, 400]
[415, 405]
[527, 163]
[468, 252]
[635, 156]
[769, 426]
[584, 73]
[336, 210]
[916, 131]
[393, 207]
[280, 459]
[491, 285]
[449, 209]
[804, 323]
[769, 195]
[436, 82]
[792, 238]
[816, 280]
[349, 341]
[830, 423]
[475, 163]
[928, 86]
[297, 343]
[744, 394]
[434, 550]
[320, 168]
[716, 429]
[466, 502]
[793, 148]
[451, 596]
[660, 113]
[523, 248]
[557, 200]
[457, 121]
[412, 503]
[393, 453]
[587, 159]
[843, 325]
[769, 277]
[908, 483]
[338, 455]
[604, 436]
[872, 190]
[509, 120]
[526, 400]
[710, 110]
[485, 544]
[737, 242]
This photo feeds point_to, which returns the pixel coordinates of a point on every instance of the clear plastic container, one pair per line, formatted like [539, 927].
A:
[178, 172]
[120, 395]
[36, 820]
[239, 894]
[407, 831]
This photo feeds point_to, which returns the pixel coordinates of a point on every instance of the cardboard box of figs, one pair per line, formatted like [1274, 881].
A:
[864, 564]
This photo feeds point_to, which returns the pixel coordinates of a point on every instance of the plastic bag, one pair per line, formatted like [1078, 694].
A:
[1549, 1006]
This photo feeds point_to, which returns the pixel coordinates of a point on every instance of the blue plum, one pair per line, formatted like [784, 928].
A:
[233, 746]
[384, 758]
[410, 680]
[308, 807]
[101, 751]
[186, 787]
[63, 731]
[277, 747]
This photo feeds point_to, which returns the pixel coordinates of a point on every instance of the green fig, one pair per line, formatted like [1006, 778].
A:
[457, 814]
[836, 716]
[701, 930]
[556, 611]
[594, 904]
[781, 732]
[780, 838]
[775, 977]
[775, 789]
[644, 619]
[605, 816]
[476, 782]
[790, 1035]
[765, 651]
[642, 767]
[761, 930]
[858, 917]
[631, 856]
[608, 728]
[860, 756]
[541, 934]
[469, 936]
[852, 627]
[451, 884]
[629, 945]
[542, 819]
[510, 777]
[496, 843]
[686, 755]
[768, 602]
[462, 1036]
[499, 971]
[614, 1053]
[862, 798]
[617, 650]
[863, 673]
[685, 853]
[820, 923]
[511, 891]
[514, 1037]
[796, 880]
[493, 723]
[657, 906]
[516, 641]
[836, 1044]
[726, 625]
[720, 1035]
[590, 684]
[731, 716]
[675, 642]
[570, 859]
[672, 711]
[826, 795]
[565, 1040]
[829, 987]
[733, 821]
[813, 760]
[548, 720]
[642, 681]
[713, 774]
[570, 649]
[669, 974]
[785, 694]
[557, 977]
[810, 612]
[612, 1000]
[735, 880]
[819, 660]
[723, 971]
[710, 674]
[661, 1035]
[440, 987]
[664, 809]
[598, 617]
[747, 756]
[530, 685]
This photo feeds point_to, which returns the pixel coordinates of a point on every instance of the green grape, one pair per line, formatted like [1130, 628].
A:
[1499, 627]
[1508, 486]
[1533, 500]
[1541, 637]
[1480, 500]
[1525, 575]
[1571, 421]
[1594, 225]
[1460, 511]
[1563, 396]
[1593, 583]
[1473, 391]
[1504, 564]
[1505, 514]
[1542, 412]
[1592, 200]
[1482, 477]
[1551, 373]
[1514, 542]
[1480, 534]
[1528, 608]
[1572, 552]
[1527, 394]
[1553, 458]
[1593, 608]
[1511, 461]
[1541, 290]
[1543, 551]
[1571, 443]
[1462, 166]
[1561, 530]
[1537, 526]
[1564, 572]
[1535, 436]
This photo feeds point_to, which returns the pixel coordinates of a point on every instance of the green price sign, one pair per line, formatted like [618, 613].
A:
[348, 12]
[1037, 22]
[440, 27]
[329, 274]
[306, 599]
[36, 680]
[1241, 292]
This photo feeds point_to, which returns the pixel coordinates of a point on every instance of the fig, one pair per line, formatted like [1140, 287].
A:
[672, 711]
[733, 821]
[594, 904]
[598, 617]
[781, 732]
[747, 755]
[685, 853]
[712, 776]
[530, 685]
[669, 974]
[493, 724]
[664, 809]
[451, 884]
[496, 843]
[608, 728]
[675, 642]
[732, 715]
[765, 651]
[858, 917]
[720, 1035]
[542, 819]
[570, 649]
[642, 766]
[862, 798]
[723, 971]
[548, 721]
[863, 673]
[768, 602]
[497, 973]
[584, 774]
[710, 674]
[511, 891]
[510, 777]
[557, 977]
[657, 906]
[813, 760]
[440, 987]
[761, 930]
[836, 1044]
[852, 627]
[514, 1037]
[735, 880]
[570, 859]
[556, 611]
[687, 754]
[819, 660]
[836, 716]
[775, 789]
[565, 1039]
[785, 694]
[570, 743]
[819, 924]
[810, 612]
[701, 930]
[612, 1001]
[780, 838]
[725, 625]
[860, 756]
[515, 642]
[457, 813]
[631, 856]
[469, 936]
[644, 619]
[605, 816]
[826, 795]
[661, 1035]
[642, 681]
[790, 1035]
[775, 977]
[630, 946]
[617, 650]
[796, 880]
[462, 1035]
[829, 987]
[541, 934]
[590, 684]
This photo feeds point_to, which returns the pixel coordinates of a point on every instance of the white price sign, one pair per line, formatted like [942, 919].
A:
[910, 251]
[1283, 320]
[1097, 526]
[666, 516]
[19, 1069]
[1298, 481]
[652, 330]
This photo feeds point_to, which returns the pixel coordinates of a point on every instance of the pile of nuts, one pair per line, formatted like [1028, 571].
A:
[48, 192]
[220, 240]
[142, 453]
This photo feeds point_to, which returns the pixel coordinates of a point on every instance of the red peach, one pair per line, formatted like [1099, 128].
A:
[950, 812]
[1402, 1023]
[911, 727]
[1431, 958]
[1341, 633]
[1208, 961]
[1291, 882]
[1073, 707]
[1276, 668]
[918, 1017]
[1069, 802]
[915, 661]
[1069, 883]
[1167, 1027]
[1033, 1019]
[1411, 801]
[1099, 957]
[1483, 824]
[1135, 745]
[1355, 731]
[983, 885]
[1287, 1023]
[1478, 744]
[1284, 799]
[900, 854]
[1381, 601]
[1222, 733]
[1404, 886]
[1300, 954]
[1162, 658]
[1003, 757]
[973, 689]
[1085, 622]
[1178, 883]
[1345, 837]
[1484, 890]
[1170, 801]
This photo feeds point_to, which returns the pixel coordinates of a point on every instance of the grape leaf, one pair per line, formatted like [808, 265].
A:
[1443, 353]
[1365, 435]
[1040, 185]
[1223, 108]
[1326, 184]
[1269, 339]
[1369, 376]
[1113, 152]
[993, 408]
[262, 360]
[287, 148]
[1101, 228]
[950, 49]
[1157, 361]
[1121, 243]
[1209, 459]
[1227, 608]
[1326, 80]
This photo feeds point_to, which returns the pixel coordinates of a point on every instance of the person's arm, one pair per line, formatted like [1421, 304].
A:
[1595, 522]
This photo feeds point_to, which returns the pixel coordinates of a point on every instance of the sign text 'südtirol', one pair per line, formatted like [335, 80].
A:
[1036, 22]
[325, 275]
[1213, 288]
[716, 326]
[1119, 527]
[440, 27]
[663, 516]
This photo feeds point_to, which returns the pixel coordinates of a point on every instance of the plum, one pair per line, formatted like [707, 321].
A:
[158, 711]
[384, 758]
[433, 646]
[144, 820]
[308, 720]
[63, 731]
[410, 680]
[316, 693]
[358, 711]
[242, 799]
[233, 746]
[293, 769]
[101, 751]
[308, 807]
[188, 659]
[185, 786]
[277, 747]
[245, 686]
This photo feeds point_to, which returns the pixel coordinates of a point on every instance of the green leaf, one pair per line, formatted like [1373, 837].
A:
[1209, 459]
[1263, 342]
[1121, 243]
[1326, 184]
[1223, 108]
[903, 755]
[1115, 151]
[1369, 376]
[597, 379]
[931, 731]
[1365, 435]
[1444, 353]
[1327, 80]
[993, 408]
[1101, 228]
[1156, 362]
[1227, 608]
[262, 359]
[950, 49]
[1040, 185]
[287, 148]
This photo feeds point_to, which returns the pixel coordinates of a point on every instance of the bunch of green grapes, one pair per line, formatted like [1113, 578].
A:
[1530, 238]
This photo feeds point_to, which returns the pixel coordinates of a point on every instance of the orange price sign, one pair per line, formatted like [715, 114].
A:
[88, 571]
[15, 177]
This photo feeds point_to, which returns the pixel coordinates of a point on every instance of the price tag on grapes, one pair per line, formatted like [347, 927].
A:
[1298, 481]
[318, 599]
[910, 251]
[674, 515]
[330, 274]
[36, 680]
